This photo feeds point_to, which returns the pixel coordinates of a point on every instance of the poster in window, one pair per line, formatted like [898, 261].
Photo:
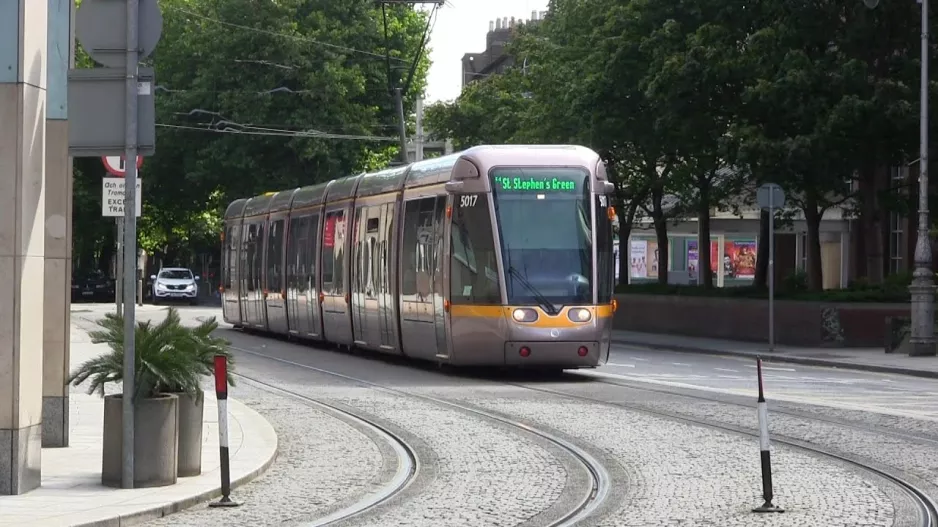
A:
[651, 256]
[693, 258]
[638, 267]
[739, 259]
[328, 237]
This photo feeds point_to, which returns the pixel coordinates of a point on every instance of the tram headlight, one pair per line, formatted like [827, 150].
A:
[579, 314]
[524, 315]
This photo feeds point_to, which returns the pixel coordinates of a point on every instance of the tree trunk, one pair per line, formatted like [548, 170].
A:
[703, 233]
[871, 225]
[661, 233]
[762, 253]
[813, 219]
[626, 218]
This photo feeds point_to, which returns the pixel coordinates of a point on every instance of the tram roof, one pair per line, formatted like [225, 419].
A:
[236, 208]
[418, 174]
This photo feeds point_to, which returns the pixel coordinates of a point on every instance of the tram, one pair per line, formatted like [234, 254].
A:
[499, 255]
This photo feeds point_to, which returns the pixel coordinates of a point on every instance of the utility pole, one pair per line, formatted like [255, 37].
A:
[419, 150]
[398, 92]
[401, 124]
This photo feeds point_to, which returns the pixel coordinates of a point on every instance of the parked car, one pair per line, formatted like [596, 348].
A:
[93, 286]
[175, 283]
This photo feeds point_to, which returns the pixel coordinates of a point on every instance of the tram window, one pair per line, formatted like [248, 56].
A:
[248, 256]
[333, 252]
[418, 257]
[231, 256]
[310, 226]
[474, 271]
[274, 256]
[604, 254]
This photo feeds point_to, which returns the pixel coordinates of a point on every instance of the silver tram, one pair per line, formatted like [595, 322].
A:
[497, 255]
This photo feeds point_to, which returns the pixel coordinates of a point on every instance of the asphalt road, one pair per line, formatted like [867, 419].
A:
[834, 387]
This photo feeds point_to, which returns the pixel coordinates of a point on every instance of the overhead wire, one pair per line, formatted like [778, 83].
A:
[280, 34]
[278, 133]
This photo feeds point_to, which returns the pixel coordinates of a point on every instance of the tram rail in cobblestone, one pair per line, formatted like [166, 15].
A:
[928, 509]
[406, 454]
[600, 482]
[639, 385]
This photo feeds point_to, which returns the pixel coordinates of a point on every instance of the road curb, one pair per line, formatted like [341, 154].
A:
[779, 358]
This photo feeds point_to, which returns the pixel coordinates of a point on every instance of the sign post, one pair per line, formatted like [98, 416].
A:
[771, 196]
[117, 34]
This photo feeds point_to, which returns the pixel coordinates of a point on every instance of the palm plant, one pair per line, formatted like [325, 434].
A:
[164, 358]
[202, 347]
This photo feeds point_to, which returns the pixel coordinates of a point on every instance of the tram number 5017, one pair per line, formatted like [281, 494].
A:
[468, 200]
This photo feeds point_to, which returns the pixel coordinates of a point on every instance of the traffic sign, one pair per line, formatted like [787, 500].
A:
[116, 164]
[101, 28]
[112, 197]
[770, 196]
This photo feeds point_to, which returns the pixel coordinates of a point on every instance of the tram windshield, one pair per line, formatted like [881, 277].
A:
[546, 235]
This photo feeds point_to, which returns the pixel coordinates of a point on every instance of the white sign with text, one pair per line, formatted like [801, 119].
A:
[112, 196]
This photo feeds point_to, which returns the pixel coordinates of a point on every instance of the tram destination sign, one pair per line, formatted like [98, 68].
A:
[535, 184]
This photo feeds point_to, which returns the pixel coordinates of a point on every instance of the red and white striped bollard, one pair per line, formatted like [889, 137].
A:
[221, 393]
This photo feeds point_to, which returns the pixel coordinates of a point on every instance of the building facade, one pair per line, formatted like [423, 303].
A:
[494, 59]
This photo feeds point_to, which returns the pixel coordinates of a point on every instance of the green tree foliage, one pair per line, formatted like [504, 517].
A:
[703, 101]
[255, 96]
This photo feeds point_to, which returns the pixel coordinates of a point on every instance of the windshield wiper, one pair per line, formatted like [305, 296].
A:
[541, 300]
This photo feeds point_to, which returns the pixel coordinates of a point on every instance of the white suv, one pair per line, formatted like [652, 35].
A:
[175, 283]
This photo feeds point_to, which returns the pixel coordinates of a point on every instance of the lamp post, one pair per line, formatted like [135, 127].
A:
[922, 289]
[923, 283]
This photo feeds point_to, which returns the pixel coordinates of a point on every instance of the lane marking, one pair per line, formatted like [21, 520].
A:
[620, 365]
[770, 368]
[734, 377]
[680, 364]
[726, 369]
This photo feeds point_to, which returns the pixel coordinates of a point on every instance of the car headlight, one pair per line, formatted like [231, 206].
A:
[524, 315]
[579, 314]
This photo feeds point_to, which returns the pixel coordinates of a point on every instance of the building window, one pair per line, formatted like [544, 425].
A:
[897, 177]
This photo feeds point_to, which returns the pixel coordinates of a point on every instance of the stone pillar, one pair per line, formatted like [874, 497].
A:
[22, 238]
[58, 237]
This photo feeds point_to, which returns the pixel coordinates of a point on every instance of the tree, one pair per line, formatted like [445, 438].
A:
[695, 80]
[804, 105]
[489, 110]
[257, 96]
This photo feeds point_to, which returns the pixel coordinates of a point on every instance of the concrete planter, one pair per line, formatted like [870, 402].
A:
[156, 441]
[191, 412]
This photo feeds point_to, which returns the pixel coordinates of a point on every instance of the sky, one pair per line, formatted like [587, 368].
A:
[460, 28]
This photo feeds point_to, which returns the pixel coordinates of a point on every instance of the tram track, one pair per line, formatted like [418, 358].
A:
[846, 423]
[408, 461]
[599, 486]
[927, 508]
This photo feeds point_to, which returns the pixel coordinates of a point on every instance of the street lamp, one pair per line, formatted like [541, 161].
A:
[922, 289]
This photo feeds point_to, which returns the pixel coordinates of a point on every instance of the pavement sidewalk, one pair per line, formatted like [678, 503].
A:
[864, 359]
[72, 494]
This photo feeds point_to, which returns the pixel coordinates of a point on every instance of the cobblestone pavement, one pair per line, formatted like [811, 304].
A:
[689, 475]
[472, 472]
[917, 458]
[323, 463]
